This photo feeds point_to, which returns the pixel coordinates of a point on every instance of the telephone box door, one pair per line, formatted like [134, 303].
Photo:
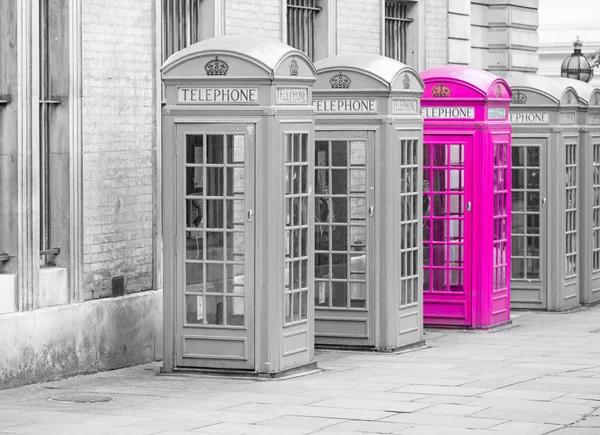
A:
[528, 257]
[447, 197]
[344, 234]
[215, 246]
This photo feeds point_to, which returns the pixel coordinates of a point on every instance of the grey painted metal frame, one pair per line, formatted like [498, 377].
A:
[379, 100]
[276, 81]
[544, 118]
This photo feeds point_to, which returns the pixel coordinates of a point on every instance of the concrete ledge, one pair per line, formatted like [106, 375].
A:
[56, 342]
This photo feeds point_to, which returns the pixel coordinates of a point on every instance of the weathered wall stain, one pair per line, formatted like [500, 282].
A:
[116, 332]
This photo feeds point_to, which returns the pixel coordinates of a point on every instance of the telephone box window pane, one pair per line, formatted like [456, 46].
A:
[235, 278]
[194, 213]
[339, 153]
[194, 245]
[358, 295]
[195, 149]
[339, 294]
[339, 183]
[214, 277]
[518, 156]
[340, 239]
[322, 293]
[215, 149]
[358, 181]
[533, 156]
[194, 181]
[533, 268]
[358, 156]
[194, 309]
[235, 149]
[214, 310]
[194, 277]
[235, 311]
[321, 153]
[235, 182]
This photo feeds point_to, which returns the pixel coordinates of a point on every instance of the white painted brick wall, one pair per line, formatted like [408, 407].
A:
[436, 24]
[254, 17]
[359, 26]
[118, 136]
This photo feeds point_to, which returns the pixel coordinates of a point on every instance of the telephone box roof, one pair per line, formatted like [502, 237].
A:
[264, 51]
[482, 80]
[383, 68]
[552, 88]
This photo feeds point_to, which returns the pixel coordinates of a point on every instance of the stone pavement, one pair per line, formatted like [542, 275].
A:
[540, 376]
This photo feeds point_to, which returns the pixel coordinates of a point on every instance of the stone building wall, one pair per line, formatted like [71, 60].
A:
[119, 137]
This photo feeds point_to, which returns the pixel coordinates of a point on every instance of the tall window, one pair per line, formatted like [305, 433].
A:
[396, 29]
[301, 16]
[53, 129]
[180, 25]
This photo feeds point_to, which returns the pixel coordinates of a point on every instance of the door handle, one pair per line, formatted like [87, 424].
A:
[250, 215]
[371, 211]
[543, 202]
[469, 206]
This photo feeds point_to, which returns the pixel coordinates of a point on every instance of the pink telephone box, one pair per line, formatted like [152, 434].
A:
[467, 201]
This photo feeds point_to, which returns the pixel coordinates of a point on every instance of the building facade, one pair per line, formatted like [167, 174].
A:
[80, 152]
[560, 27]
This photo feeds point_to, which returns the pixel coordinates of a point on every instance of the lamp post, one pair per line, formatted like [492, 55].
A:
[577, 66]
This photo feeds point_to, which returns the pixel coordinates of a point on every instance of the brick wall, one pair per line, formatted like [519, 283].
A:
[359, 26]
[436, 25]
[254, 17]
[118, 141]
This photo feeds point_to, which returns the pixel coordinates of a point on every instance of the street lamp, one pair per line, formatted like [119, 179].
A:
[577, 66]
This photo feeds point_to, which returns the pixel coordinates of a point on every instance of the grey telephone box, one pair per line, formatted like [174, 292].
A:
[545, 272]
[589, 179]
[368, 203]
[238, 133]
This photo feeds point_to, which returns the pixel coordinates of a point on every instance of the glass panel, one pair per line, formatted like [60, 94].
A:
[235, 181]
[296, 307]
[194, 277]
[358, 295]
[358, 155]
[518, 156]
[339, 294]
[321, 153]
[194, 182]
[214, 310]
[235, 278]
[339, 241]
[214, 245]
[214, 213]
[533, 156]
[358, 181]
[235, 311]
[339, 153]
[235, 149]
[214, 277]
[195, 149]
[194, 309]
[339, 181]
[322, 293]
[214, 149]
[194, 245]
[194, 213]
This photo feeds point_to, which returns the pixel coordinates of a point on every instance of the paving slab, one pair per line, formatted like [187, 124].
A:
[542, 376]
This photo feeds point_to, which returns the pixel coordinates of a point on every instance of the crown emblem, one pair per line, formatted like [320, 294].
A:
[596, 101]
[216, 67]
[293, 68]
[499, 91]
[406, 81]
[519, 98]
[441, 91]
[340, 81]
[569, 98]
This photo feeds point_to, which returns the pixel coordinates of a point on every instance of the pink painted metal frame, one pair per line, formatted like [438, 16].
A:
[467, 224]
